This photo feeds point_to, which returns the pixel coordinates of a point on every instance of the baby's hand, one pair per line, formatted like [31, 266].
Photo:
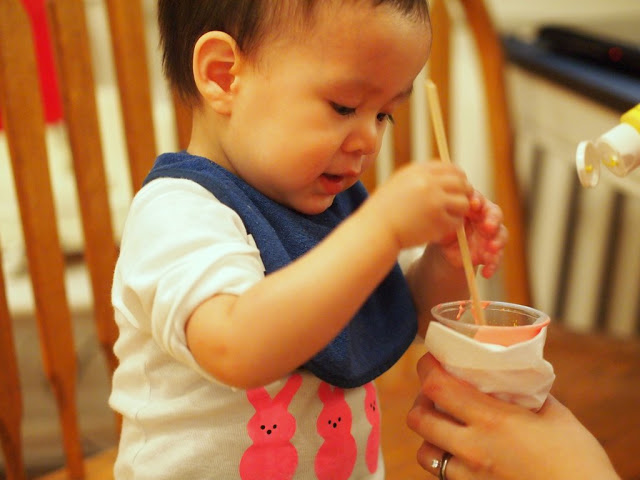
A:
[423, 203]
[486, 235]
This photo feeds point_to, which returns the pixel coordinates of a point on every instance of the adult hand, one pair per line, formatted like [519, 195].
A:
[492, 439]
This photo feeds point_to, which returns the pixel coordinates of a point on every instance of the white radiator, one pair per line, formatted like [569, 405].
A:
[583, 244]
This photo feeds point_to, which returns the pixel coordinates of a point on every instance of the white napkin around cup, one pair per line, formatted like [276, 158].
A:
[517, 373]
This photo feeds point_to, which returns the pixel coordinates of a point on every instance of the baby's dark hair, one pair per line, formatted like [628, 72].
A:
[249, 22]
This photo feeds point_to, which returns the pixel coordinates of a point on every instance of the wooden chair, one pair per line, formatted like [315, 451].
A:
[25, 130]
[489, 50]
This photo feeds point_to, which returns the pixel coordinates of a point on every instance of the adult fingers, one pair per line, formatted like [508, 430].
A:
[433, 460]
[456, 469]
[458, 398]
[426, 363]
[430, 458]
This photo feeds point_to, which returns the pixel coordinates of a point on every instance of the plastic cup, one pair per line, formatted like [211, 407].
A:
[506, 323]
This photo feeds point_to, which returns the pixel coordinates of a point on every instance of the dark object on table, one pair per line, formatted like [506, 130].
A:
[607, 51]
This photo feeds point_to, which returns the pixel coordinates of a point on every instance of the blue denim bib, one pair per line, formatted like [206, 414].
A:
[383, 328]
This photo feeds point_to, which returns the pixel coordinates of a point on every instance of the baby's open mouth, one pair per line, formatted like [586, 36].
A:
[333, 178]
[333, 184]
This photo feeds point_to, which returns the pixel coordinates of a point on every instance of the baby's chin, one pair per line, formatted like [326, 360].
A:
[314, 206]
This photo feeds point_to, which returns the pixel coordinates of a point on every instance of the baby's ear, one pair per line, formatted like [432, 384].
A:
[214, 58]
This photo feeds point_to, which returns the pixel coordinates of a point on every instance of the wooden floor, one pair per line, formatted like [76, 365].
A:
[598, 378]
[397, 389]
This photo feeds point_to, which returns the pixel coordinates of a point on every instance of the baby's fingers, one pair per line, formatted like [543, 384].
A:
[486, 215]
[490, 267]
[489, 251]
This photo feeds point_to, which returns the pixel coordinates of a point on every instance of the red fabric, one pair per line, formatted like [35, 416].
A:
[44, 57]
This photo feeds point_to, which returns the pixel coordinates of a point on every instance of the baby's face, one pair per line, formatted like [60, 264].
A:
[309, 118]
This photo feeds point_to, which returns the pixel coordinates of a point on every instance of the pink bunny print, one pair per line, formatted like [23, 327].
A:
[373, 415]
[272, 454]
[337, 455]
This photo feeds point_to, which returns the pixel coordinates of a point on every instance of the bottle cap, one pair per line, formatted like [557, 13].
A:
[620, 149]
[588, 163]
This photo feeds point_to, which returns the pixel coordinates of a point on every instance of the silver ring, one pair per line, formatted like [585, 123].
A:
[435, 464]
[442, 474]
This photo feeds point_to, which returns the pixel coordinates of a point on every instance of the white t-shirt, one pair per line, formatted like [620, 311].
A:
[180, 246]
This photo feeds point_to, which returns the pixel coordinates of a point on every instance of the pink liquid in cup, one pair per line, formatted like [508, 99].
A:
[506, 323]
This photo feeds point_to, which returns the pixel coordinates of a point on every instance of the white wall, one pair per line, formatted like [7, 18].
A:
[525, 15]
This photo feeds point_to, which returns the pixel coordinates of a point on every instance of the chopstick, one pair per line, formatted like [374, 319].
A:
[441, 139]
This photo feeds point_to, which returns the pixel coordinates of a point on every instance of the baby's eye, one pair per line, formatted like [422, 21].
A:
[386, 116]
[342, 110]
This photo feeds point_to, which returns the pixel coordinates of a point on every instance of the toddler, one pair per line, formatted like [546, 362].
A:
[257, 292]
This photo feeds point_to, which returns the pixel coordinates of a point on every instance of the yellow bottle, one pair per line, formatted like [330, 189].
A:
[618, 149]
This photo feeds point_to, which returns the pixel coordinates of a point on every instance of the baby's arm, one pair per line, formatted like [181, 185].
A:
[278, 324]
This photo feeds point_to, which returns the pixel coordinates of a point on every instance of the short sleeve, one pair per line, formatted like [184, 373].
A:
[180, 246]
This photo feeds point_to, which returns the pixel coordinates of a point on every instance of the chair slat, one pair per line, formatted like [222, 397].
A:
[491, 57]
[369, 178]
[68, 23]
[24, 118]
[440, 63]
[10, 395]
[127, 32]
[402, 136]
[401, 132]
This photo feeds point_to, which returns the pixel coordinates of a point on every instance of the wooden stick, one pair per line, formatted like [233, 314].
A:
[441, 139]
